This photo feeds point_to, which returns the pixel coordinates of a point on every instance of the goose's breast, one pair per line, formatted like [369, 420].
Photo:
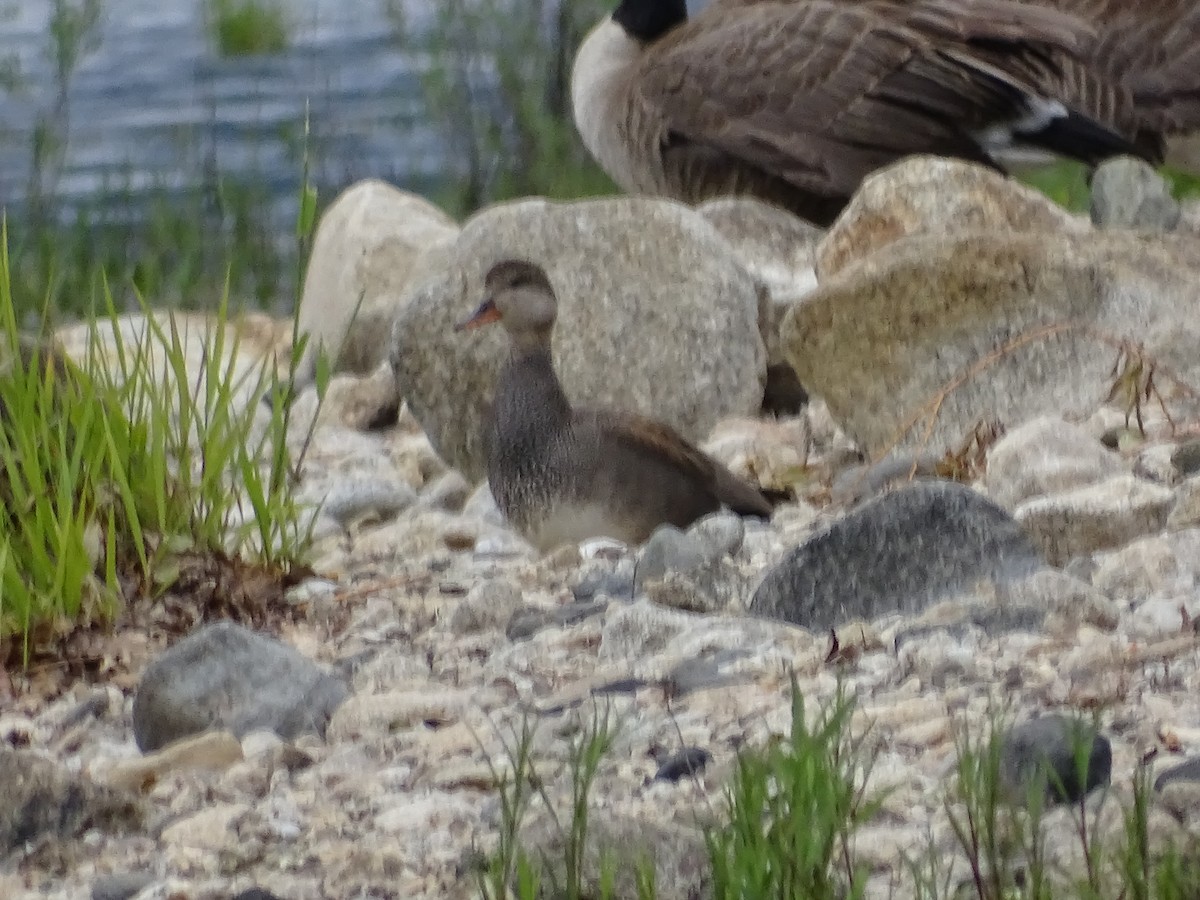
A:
[621, 134]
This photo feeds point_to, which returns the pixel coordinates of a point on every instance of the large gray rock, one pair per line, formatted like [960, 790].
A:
[897, 553]
[992, 326]
[777, 248]
[226, 676]
[41, 799]
[655, 316]
[933, 195]
[366, 246]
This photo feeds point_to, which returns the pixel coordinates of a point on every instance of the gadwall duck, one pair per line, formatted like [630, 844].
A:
[562, 475]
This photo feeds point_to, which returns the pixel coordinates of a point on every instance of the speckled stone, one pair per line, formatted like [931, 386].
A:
[899, 552]
[225, 675]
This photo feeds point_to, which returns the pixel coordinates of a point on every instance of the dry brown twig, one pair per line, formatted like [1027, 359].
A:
[1133, 384]
[969, 460]
[1136, 376]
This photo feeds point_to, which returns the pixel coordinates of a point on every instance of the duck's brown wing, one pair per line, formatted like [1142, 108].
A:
[822, 93]
[650, 439]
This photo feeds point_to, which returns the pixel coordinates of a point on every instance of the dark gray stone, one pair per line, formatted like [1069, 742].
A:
[1186, 458]
[1041, 756]
[897, 553]
[226, 676]
[600, 581]
[688, 763]
[41, 799]
[1189, 770]
[120, 886]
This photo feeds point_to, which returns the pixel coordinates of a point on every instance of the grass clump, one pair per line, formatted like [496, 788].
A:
[1142, 873]
[792, 811]
[1005, 852]
[794, 806]
[248, 27]
[1003, 829]
[77, 480]
[513, 871]
[510, 864]
[151, 460]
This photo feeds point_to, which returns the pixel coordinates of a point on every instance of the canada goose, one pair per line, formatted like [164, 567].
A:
[562, 475]
[796, 101]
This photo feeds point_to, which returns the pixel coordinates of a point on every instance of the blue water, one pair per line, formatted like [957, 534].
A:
[154, 106]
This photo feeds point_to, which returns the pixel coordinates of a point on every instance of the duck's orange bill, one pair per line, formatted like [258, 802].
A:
[485, 315]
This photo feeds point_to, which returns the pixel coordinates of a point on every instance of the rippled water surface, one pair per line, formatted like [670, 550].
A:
[154, 106]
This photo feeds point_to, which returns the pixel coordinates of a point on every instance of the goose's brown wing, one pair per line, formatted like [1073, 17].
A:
[821, 93]
[1150, 46]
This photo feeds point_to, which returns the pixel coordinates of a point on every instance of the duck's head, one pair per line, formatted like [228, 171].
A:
[518, 295]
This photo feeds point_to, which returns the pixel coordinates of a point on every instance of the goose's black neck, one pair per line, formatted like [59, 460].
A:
[648, 20]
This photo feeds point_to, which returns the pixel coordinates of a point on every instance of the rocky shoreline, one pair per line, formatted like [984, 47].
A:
[950, 325]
